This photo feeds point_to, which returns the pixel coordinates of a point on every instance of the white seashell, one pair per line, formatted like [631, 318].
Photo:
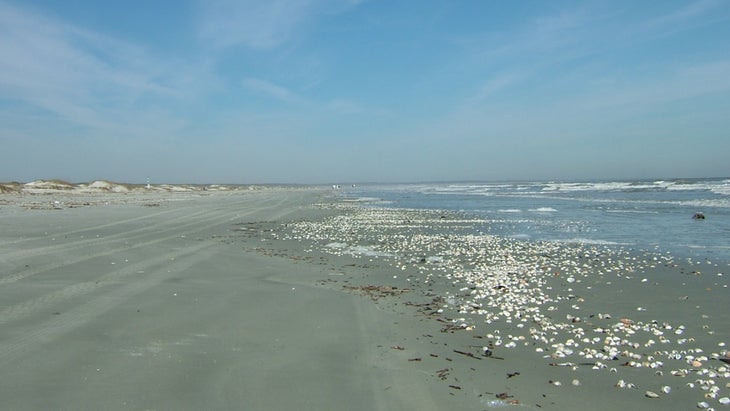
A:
[724, 401]
[703, 405]
[651, 394]
[666, 389]
[576, 382]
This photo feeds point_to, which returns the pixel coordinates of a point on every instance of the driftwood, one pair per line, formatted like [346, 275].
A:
[468, 354]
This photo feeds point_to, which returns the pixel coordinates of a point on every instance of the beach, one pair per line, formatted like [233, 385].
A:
[154, 303]
[293, 298]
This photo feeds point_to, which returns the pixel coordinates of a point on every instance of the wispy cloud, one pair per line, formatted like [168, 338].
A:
[496, 84]
[261, 25]
[695, 13]
[273, 90]
[84, 78]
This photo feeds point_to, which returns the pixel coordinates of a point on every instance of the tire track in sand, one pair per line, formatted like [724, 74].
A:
[110, 290]
[130, 240]
[49, 330]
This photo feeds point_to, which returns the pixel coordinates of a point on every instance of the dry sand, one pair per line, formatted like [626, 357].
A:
[148, 303]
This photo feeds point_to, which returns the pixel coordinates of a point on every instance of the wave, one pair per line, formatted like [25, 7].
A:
[632, 211]
[589, 241]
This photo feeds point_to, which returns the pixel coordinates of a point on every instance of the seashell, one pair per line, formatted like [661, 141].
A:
[696, 364]
[666, 389]
[576, 382]
[651, 394]
[724, 401]
[703, 405]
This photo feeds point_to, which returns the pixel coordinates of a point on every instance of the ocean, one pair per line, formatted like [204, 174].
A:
[654, 215]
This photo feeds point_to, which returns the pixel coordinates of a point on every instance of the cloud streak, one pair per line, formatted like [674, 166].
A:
[261, 25]
[272, 90]
[85, 79]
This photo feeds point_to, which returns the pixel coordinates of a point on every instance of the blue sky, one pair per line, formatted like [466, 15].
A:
[322, 91]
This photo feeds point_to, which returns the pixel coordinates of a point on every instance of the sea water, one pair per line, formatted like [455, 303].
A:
[643, 215]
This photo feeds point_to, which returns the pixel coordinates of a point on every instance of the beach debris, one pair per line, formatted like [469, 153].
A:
[651, 394]
[468, 354]
[376, 291]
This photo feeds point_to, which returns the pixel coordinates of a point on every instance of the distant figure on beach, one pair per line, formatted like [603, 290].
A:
[698, 216]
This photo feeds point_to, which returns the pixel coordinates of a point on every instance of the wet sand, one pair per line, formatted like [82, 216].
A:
[292, 299]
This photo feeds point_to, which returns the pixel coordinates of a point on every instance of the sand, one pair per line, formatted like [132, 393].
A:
[149, 303]
[290, 298]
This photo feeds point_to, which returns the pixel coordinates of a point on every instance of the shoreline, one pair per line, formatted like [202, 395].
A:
[621, 325]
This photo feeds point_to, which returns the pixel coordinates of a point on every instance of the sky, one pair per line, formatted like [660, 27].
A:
[325, 91]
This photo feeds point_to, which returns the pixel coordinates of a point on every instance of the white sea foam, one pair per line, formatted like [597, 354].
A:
[510, 210]
[544, 210]
[719, 203]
